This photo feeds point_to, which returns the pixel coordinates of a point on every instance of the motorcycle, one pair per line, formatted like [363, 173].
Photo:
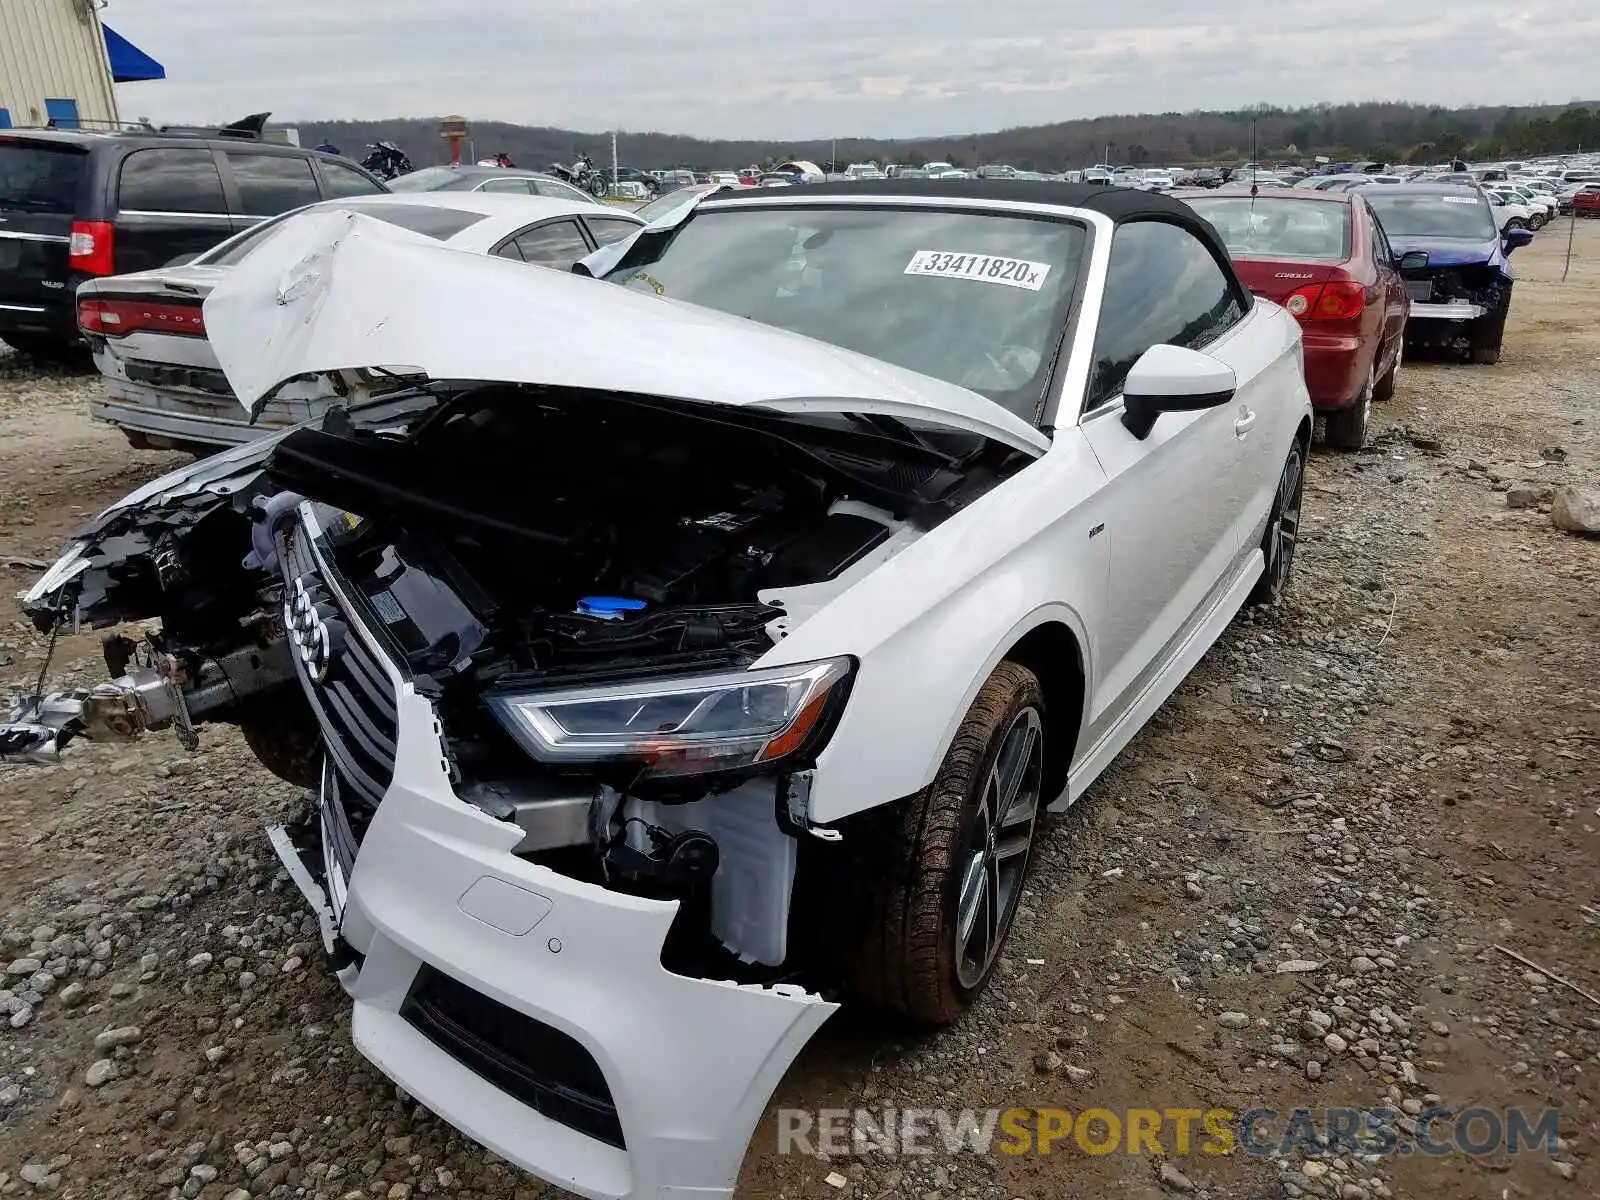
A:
[581, 175]
[386, 160]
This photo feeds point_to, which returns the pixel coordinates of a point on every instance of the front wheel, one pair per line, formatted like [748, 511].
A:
[597, 187]
[1283, 531]
[1516, 223]
[1485, 335]
[941, 897]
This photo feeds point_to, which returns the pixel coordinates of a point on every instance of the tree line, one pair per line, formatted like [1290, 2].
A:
[1387, 132]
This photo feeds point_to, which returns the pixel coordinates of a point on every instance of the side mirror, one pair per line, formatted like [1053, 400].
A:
[1517, 237]
[1173, 379]
[1412, 260]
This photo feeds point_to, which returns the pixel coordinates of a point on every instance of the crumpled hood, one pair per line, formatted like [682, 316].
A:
[340, 291]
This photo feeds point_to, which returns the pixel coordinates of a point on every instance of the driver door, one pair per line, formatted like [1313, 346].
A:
[1173, 500]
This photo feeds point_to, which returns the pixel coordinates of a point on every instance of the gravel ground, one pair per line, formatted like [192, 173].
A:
[1292, 890]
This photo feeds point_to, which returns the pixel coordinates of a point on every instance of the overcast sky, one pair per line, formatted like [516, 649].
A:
[806, 69]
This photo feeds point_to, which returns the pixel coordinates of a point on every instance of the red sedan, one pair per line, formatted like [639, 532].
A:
[1324, 257]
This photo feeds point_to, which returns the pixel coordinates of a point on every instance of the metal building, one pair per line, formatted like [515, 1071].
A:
[59, 63]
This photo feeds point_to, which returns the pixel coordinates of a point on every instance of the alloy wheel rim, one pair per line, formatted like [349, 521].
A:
[1286, 529]
[996, 855]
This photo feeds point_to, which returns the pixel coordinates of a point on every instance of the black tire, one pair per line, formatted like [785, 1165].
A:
[1384, 388]
[1516, 223]
[284, 737]
[1347, 427]
[1486, 333]
[597, 187]
[47, 348]
[907, 956]
[1283, 531]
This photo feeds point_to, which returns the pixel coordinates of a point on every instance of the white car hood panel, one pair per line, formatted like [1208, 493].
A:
[342, 292]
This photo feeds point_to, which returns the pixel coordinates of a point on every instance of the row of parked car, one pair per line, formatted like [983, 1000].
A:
[115, 238]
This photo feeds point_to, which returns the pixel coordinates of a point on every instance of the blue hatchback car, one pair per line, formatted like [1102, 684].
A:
[1461, 295]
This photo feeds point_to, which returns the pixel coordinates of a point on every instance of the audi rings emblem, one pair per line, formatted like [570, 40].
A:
[313, 625]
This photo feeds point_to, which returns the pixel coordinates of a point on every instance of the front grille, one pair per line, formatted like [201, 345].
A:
[354, 701]
[1478, 283]
[343, 834]
[539, 1065]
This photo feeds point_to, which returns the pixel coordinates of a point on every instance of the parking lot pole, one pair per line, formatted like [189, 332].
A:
[615, 177]
[1572, 228]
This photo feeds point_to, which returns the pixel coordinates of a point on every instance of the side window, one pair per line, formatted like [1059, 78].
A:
[557, 190]
[178, 180]
[339, 180]
[517, 187]
[272, 183]
[1162, 287]
[1381, 250]
[558, 244]
[610, 229]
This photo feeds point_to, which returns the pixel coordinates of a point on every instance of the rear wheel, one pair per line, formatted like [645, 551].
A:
[941, 897]
[1384, 388]
[1283, 531]
[46, 348]
[1347, 427]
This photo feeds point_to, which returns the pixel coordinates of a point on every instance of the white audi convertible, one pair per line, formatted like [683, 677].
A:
[678, 648]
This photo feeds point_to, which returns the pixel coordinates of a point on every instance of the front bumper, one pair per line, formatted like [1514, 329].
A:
[1450, 310]
[434, 890]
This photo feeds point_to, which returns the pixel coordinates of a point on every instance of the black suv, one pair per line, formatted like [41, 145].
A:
[76, 204]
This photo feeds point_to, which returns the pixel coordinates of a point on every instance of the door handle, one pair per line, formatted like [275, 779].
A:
[1245, 423]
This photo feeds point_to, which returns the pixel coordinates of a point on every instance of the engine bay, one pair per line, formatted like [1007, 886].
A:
[578, 541]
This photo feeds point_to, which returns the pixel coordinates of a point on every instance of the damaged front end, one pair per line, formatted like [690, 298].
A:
[1454, 304]
[512, 637]
[176, 551]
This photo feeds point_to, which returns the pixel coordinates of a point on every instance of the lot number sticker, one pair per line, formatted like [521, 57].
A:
[1459, 199]
[987, 268]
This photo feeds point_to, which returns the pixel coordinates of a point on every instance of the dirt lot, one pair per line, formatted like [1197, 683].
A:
[1386, 780]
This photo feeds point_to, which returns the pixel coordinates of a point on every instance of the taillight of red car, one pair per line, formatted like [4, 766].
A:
[1337, 301]
[89, 248]
[114, 318]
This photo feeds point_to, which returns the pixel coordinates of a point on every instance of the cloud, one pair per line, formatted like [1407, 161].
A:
[874, 68]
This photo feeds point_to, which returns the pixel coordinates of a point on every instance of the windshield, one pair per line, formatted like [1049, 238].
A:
[976, 300]
[1264, 228]
[1405, 216]
[40, 178]
[429, 179]
[427, 219]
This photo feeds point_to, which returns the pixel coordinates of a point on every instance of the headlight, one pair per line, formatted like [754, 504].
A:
[680, 726]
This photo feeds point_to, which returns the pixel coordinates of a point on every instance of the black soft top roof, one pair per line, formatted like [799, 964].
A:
[1120, 204]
